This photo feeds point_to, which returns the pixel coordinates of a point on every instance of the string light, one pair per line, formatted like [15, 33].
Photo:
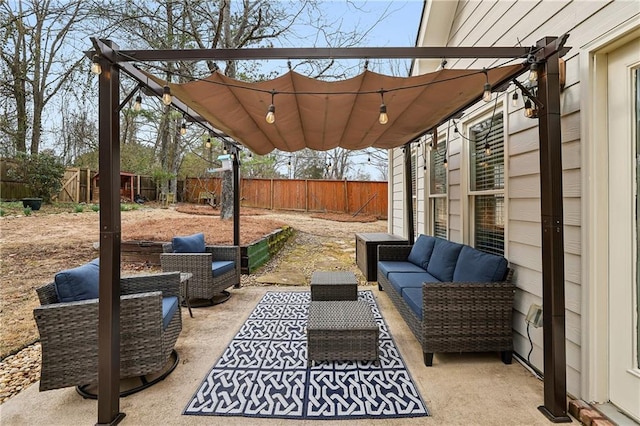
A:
[528, 109]
[487, 149]
[137, 106]
[208, 143]
[445, 163]
[183, 128]
[271, 112]
[486, 95]
[166, 95]
[533, 72]
[95, 65]
[514, 99]
[368, 158]
[383, 118]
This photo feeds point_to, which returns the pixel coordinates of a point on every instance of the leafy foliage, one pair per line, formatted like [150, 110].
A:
[42, 173]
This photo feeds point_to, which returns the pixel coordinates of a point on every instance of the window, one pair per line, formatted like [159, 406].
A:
[438, 190]
[414, 189]
[486, 146]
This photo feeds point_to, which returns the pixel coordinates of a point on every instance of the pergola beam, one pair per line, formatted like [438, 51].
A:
[323, 53]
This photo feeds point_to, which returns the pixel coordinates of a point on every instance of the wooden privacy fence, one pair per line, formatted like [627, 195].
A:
[336, 196]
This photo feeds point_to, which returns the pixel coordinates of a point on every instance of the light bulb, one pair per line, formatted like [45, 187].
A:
[487, 149]
[183, 128]
[514, 99]
[95, 65]
[533, 72]
[486, 95]
[208, 144]
[271, 114]
[383, 118]
[138, 105]
[166, 95]
[528, 110]
[445, 163]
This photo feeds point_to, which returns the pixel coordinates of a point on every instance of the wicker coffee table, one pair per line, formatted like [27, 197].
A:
[337, 285]
[341, 331]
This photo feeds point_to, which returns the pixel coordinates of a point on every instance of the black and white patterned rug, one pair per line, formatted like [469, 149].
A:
[264, 372]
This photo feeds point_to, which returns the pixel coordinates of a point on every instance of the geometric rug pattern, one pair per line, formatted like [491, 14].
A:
[264, 372]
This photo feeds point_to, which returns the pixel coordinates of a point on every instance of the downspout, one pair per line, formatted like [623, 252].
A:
[408, 192]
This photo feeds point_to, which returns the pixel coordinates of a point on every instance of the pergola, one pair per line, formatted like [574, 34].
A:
[418, 112]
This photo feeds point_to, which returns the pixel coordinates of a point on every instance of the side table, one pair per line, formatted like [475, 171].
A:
[184, 289]
[367, 251]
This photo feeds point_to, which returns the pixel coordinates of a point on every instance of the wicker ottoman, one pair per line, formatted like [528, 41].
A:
[334, 286]
[341, 331]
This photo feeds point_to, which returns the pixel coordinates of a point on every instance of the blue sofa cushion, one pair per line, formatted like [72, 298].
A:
[389, 266]
[219, 267]
[169, 308]
[189, 244]
[79, 283]
[443, 259]
[403, 280]
[421, 251]
[413, 297]
[476, 266]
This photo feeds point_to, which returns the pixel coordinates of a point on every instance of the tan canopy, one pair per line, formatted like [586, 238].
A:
[322, 115]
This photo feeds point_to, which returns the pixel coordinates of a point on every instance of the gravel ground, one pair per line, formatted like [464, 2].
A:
[317, 244]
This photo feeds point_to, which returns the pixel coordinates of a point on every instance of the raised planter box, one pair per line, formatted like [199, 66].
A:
[252, 255]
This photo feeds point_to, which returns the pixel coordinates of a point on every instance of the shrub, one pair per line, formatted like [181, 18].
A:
[42, 173]
[95, 207]
[2, 213]
[79, 209]
[27, 211]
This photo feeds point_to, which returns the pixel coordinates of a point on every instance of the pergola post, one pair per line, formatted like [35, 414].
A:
[553, 303]
[236, 197]
[109, 291]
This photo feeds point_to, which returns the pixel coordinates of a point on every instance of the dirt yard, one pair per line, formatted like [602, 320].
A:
[33, 248]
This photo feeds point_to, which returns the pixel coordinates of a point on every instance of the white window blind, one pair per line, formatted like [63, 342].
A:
[487, 184]
[438, 190]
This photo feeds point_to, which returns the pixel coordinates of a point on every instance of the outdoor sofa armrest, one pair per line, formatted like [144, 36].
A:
[166, 282]
[394, 252]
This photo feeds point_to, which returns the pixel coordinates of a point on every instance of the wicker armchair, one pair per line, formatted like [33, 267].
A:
[205, 284]
[69, 334]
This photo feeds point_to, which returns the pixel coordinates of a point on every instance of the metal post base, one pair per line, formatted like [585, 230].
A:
[553, 418]
[117, 419]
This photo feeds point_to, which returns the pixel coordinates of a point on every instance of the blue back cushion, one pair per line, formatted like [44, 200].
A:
[443, 259]
[421, 251]
[476, 266]
[189, 244]
[79, 283]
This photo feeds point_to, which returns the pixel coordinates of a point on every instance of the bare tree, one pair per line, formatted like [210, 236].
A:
[37, 62]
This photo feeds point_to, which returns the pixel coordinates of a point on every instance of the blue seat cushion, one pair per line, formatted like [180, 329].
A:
[169, 308]
[476, 266]
[388, 266]
[443, 259]
[413, 297]
[219, 267]
[79, 283]
[421, 251]
[189, 244]
[403, 280]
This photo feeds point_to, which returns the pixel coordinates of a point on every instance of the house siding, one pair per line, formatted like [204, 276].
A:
[491, 23]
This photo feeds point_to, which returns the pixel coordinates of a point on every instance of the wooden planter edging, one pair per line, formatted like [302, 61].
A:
[252, 255]
[257, 253]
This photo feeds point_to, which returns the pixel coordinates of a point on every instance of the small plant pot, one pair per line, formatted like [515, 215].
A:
[33, 203]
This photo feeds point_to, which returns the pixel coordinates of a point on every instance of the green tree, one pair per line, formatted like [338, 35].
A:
[42, 173]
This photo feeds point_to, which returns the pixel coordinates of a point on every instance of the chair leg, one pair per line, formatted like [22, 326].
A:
[506, 356]
[428, 358]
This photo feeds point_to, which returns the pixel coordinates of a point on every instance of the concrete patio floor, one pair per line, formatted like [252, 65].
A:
[460, 389]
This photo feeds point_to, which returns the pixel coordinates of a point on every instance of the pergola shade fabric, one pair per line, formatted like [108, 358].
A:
[323, 115]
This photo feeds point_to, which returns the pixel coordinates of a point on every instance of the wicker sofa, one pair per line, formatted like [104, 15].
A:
[453, 297]
[214, 268]
[67, 320]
